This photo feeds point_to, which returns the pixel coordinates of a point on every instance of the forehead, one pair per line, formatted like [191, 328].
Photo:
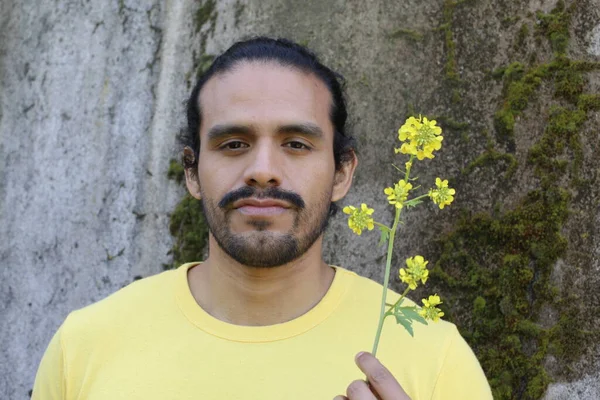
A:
[265, 93]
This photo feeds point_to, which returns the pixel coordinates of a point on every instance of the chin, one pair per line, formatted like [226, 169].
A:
[264, 249]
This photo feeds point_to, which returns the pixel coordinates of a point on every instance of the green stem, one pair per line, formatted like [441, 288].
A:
[407, 175]
[398, 169]
[419, 197]
[388, 264]
[381, 225]
[386, 280]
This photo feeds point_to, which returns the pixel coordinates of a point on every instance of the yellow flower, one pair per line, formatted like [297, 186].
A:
[443, 195]
[416, 271]
[360, 218]
[399, 193]
[429, 310]
[421, 136]
[409, 129]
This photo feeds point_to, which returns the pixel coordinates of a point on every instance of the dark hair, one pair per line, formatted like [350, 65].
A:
[285, 53]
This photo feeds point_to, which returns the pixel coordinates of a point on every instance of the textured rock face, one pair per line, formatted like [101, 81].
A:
[586, 388]
[86, 128]
[91, 96]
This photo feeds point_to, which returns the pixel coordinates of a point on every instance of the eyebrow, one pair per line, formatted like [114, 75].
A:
[221, 131]
[224, 130]
[306, 129]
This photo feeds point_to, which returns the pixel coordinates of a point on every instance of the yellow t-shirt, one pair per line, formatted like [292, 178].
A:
[151, 340]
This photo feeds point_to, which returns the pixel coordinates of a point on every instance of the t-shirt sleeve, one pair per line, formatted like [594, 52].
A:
[50, 378]
[461, 376]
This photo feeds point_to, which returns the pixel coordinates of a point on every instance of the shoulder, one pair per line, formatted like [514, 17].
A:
[141, 300]
[435, 356]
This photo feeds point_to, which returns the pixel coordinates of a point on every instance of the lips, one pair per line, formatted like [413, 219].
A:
[256, 207]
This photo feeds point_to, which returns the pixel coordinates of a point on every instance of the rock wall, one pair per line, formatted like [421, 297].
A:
[91, 97]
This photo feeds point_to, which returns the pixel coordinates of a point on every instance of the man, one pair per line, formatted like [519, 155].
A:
[264, 317]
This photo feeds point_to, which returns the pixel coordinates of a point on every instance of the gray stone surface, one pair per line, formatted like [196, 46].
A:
[587, 388]
[92, 93]
[77, 103]
[594, 46]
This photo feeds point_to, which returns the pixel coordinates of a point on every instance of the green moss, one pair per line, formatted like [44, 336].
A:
[187, 224]
[456, 96]
[121, 7]
[449, 123]
[504, 124]
[509, 20]
[561, 133]
[450, 67]
[492, 157]
[190, 231]
[569, 81]
[519, 85]
[304, 42]
[514, 71]
[530, 329]
[205, 13]
[239, 11]
[555, 26]
[500, 266]
[406, 34]
[589, 102]
[498, 73]
[203, 63]
[479, 305]
[364, 80]
[520, 82]
[522, 36]
[176, 171]
[494, 268]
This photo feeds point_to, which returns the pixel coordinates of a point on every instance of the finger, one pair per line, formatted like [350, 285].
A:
[380, 378]
[359, 390]
[340, 398]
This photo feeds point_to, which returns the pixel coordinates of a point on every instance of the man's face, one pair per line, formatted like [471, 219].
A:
[266, 169]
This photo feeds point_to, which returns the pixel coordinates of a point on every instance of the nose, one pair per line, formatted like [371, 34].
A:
[264, 167]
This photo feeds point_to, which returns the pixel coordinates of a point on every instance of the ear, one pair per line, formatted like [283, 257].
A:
[191, 176]
[343, 178]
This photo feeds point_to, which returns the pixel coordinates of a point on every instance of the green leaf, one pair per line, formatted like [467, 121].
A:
[413, 314]
[405, 323]
[385, 234]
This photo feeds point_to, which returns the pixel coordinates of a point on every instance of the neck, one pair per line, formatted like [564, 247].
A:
[243, 295]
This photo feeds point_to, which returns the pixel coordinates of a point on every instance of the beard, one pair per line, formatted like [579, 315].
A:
[261, 248]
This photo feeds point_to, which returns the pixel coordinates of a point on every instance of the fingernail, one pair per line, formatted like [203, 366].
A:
[358, 355]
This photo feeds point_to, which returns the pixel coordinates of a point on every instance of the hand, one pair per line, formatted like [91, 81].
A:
[380, 384]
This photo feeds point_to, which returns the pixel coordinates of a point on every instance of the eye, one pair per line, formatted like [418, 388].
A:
[234, 145]
[297, 145]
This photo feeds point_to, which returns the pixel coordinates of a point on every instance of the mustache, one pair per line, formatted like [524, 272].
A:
[275, 193]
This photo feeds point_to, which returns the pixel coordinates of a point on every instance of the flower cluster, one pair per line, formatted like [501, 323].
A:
[360, 218]
[399, 193]
[421, 137]
[443, 195]
[416, 271]
[429, 310]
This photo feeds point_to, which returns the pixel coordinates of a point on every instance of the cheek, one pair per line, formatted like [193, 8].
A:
[212, 182]
[317, 184]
